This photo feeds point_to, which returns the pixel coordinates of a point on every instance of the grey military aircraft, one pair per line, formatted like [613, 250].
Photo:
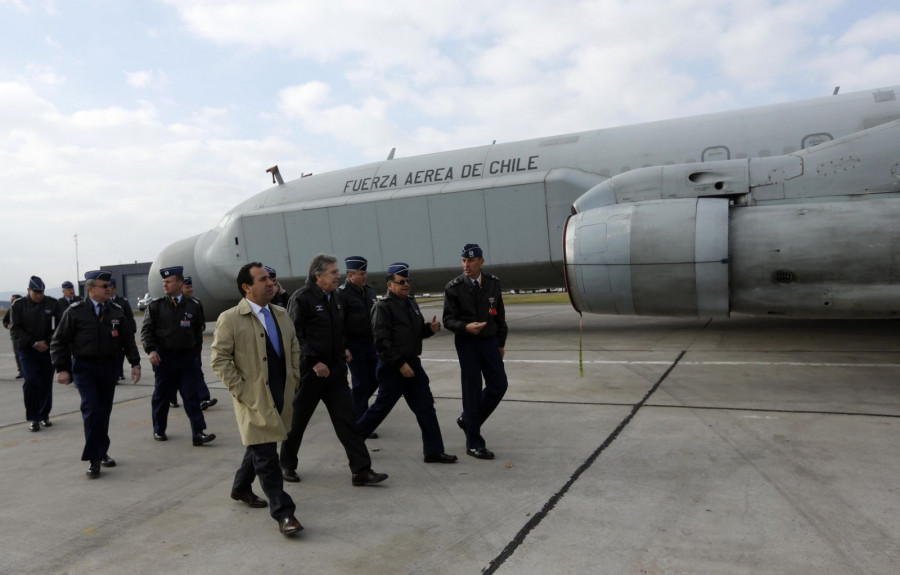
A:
[788, 209]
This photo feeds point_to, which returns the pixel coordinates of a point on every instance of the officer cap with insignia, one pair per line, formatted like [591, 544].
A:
[101, 275]
[188, 281]
[172, 271]
[399, 269]
[271, 271]
[67, 285]
[472, 251]
[36, 284]
[356, 263]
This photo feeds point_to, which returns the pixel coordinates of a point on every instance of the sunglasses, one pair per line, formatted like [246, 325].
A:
[401, 282]
[104, 286]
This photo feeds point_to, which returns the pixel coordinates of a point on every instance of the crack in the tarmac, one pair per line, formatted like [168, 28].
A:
[536, 519]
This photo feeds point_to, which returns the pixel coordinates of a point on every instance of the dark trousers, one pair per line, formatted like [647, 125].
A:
[38, 386]
[391, 387]
[177, 371]
[479, 357]
[18, 360]
[334, 393]
[261, 461]
[96, 383]
[362, 375]
[202, 389]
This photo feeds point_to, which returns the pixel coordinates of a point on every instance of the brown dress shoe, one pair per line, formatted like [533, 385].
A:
[249, 498]
[289, 525]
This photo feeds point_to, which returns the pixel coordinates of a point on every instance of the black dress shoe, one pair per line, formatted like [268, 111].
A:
[208, 403]
[249, 498]
[93, 472]
[289, 525]
[480, 453]
[202, 438]
[174, 404]
[160, 436]
[19, 376]
[440, 458]
[107, 461]
[47, 422]
[368, 477]
[34, 426]
[373, 435]
[290, 475]
[461, 422]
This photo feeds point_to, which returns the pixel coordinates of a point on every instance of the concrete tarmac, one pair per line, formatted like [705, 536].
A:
[741, 445]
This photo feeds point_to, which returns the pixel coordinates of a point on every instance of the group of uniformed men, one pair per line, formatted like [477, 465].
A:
[278, 364]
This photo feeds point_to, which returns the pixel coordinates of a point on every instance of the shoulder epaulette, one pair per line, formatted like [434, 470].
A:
[77, 303]
[492, 276]
[158, 298]
[113, 303]
[455, 281]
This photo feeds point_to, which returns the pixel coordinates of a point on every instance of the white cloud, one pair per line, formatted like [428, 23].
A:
[146, 79]
[876, 29]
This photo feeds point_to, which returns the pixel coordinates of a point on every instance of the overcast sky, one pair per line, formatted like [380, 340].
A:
[136, 123]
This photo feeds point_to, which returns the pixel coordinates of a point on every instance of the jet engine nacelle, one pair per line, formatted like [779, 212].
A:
[665, 257]
[811, 234]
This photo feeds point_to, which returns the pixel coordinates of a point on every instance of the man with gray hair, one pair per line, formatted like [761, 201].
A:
[318, 318]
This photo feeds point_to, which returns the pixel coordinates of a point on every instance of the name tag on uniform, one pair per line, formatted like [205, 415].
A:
[493, 310]
[320, 308]
[115, 328]
[185, 323]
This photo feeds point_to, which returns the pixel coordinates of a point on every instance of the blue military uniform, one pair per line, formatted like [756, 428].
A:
[399, 329]
[173, 328]
[89, 344]
[34, 322]
[129, 316]
[479, 354]
[358, 303]
[65, 302]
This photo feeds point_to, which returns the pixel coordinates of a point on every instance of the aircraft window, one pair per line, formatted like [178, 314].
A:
[715, 153]
[815, 139]
[884, 96]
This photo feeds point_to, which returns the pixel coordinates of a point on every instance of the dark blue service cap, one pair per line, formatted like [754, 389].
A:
[272, 273]
[101, 275]
[112, 282]
[172, 271]
[399, 268]
[187, 281]
[356, 263]
[472, 251]
[36, 284]
[67, 285]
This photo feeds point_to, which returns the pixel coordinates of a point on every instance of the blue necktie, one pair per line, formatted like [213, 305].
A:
[272, 330]
[99, 309]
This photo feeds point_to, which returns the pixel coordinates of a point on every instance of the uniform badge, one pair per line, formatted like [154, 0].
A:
[320, 308]
[115, 327]
[493, 310]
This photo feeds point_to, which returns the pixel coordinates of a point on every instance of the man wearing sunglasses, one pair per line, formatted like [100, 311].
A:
[399, 329]
[87, 347]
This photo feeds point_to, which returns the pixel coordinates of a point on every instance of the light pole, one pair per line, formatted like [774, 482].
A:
[77, 271]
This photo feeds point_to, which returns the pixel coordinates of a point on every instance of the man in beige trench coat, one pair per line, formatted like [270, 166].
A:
[256, 354]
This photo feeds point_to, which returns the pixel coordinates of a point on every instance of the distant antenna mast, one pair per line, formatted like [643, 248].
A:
[276, 175]
[836, 89]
